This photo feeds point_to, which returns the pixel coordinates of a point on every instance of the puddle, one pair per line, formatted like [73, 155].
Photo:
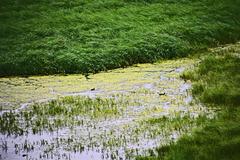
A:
[118, 114]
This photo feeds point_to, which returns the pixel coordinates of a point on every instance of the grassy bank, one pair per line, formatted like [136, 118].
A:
[48, 37]
[216, 84]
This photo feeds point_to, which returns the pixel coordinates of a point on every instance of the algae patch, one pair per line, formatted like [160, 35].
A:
[16, 91]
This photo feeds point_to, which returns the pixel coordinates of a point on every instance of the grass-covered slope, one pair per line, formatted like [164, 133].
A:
[216, 84]
[81, 36]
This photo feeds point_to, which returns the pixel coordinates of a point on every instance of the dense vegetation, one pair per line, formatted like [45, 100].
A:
[216, 84]
[87, 36]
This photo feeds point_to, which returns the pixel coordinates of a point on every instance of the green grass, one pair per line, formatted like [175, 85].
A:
[216, 84]
[87, 36]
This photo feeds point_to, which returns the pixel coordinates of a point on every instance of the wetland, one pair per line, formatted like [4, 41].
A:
[119, 114]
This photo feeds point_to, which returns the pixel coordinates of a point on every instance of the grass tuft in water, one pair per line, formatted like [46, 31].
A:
[66, 111]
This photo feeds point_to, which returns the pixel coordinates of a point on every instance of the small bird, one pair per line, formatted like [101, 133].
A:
[86, 76]
[161, 94]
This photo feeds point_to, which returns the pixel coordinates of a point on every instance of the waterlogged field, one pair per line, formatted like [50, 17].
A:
[118, 114]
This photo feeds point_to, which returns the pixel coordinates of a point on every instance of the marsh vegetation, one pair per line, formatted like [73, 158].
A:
[216, 84]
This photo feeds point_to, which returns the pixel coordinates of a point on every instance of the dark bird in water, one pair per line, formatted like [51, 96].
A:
[86, 75]
[161, 94]
[93, 89]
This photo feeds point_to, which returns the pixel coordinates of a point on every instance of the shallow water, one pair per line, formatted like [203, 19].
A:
[147, 91]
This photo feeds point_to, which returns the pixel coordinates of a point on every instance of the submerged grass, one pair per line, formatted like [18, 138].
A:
[47, 37]
[66, 111]
[73, 106]
[216, 84]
